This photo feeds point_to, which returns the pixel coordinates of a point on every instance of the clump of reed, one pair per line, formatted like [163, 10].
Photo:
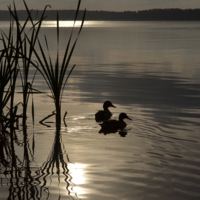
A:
[8, 75]
[17, 57]
[56, 74]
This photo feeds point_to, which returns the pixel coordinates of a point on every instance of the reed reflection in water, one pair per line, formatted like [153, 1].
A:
[22, 176]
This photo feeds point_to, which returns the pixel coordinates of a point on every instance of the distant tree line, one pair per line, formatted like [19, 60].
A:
[145, 15]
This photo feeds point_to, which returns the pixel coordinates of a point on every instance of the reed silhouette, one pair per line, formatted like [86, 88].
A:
[16, 57]
[16, 53]
[56, 75]
[23, 177]
[8, 75]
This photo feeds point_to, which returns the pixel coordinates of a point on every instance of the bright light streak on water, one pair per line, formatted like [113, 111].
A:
[77, 171]
[93, 24]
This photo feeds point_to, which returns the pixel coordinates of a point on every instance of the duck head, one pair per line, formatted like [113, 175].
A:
[123, 116]
[107, 104]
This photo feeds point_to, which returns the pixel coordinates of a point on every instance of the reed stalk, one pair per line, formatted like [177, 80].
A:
[24, 50]
[8, 76]
[56, 75]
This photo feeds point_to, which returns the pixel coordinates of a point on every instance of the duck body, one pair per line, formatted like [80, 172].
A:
[113, 126]
[102, 115]
[105, 114]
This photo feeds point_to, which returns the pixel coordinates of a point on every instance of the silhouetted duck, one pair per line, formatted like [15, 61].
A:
[113, 126]
[104, 115]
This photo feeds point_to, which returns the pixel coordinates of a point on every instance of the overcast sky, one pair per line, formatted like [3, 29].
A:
[109, 5]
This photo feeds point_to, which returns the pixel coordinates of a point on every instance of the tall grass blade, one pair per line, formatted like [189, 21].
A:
[77, 10]
[55, 75]
[65, 64]
[51, 65]
[33, 110]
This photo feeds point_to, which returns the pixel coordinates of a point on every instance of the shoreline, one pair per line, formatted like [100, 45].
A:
[144, 15]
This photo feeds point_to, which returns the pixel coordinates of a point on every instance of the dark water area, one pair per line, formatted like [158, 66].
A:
[149, 70]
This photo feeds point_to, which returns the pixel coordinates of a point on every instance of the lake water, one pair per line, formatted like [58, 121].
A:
[149, 70]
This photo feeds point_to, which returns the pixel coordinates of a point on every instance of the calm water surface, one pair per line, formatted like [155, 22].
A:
[151, 71]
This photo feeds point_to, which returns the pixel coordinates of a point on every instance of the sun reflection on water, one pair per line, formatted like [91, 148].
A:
[78, 124]
[68, 23]
[76, 118]
[75, 129]
[77, 172]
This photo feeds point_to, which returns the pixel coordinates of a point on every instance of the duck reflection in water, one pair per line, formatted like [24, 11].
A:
[112, 126]
[104, 115]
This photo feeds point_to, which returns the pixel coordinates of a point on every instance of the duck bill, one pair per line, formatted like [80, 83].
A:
[129, 118]
[113, 106]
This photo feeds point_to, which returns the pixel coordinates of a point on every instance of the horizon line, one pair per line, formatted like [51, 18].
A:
[110, 10]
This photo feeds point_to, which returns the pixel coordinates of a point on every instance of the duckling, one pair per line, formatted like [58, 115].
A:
[113, 126]
[104, 115]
